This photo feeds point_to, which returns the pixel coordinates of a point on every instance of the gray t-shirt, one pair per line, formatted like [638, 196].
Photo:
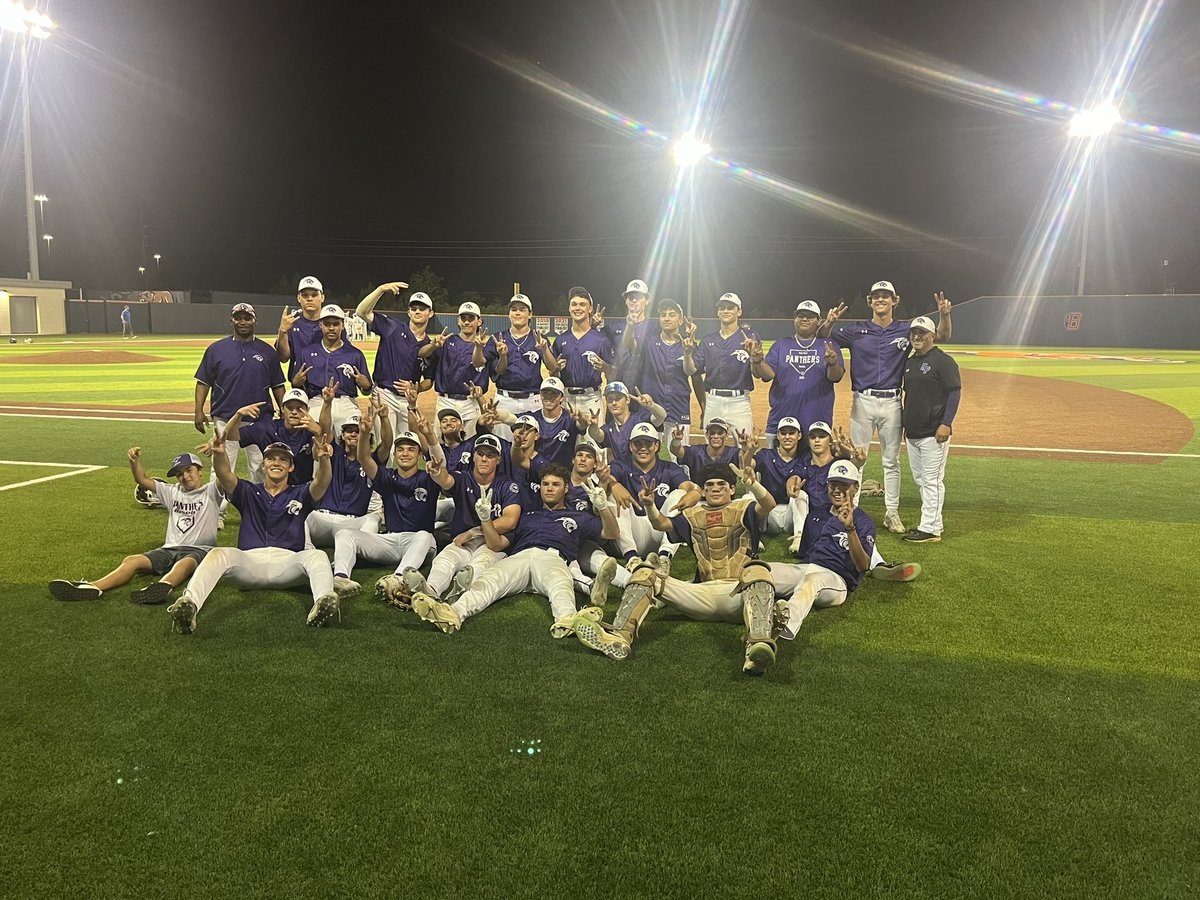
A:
[192, 517]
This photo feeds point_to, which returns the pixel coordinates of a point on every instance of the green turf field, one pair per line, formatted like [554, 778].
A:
[1023, 720]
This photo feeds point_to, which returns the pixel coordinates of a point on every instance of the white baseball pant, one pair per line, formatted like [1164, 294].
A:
[786, 518]
[638, 536]
[341, 409]
[542, 571]
[406, 550]
[454, 558]
[927, 459]
[322, 525]
[734, 410]
[398, 404]
[516, 407]
[805, 586]
[882, 414]
[262, 568]
[588, 401]
[468, 412]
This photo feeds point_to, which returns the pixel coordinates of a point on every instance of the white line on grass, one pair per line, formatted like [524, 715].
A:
[93, 418]
[77, 470]
[130, 412]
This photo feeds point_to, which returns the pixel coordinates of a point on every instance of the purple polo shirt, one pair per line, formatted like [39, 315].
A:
[409, 504]
[831, 548]
[616, 437]
[726, 366]
[303, 333]
[877, 354]
[453, 372]
[774, 471]
[396, 359]
[271, 521]
[239, 373]
[577, 354]
[660, 374]
[524, 372]
[267, 431]
[338, 364]
[349, 492]
[801, 388]
[465, 493]
[668, 476]
[559, 530]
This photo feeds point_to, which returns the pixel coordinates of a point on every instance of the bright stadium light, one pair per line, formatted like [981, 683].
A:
[1095, 122]
[689, 150]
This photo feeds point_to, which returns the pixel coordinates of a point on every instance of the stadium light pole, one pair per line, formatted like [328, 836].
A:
[1092, 125]
[41, 200]
[687, 151]
[27, 23]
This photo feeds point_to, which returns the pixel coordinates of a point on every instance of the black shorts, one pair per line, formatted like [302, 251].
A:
[163, 559]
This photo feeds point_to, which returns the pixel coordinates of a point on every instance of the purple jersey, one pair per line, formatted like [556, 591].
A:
[524, 372]
[464, 458]
[239, 373]
[349, 492]
[668, 476]
[577, 499]
[557, 438]
[271, 521]
[616, 437]
[801, 388]
[303, 333]
[683, 529]
[452, 368]
[774, 471]
[577, 353]
[877, 354]
[560, 530]
[465, 492]
[661, 376]
[831, 549]
[409, 503]
[819, 504]
[626, 360]
[696, 458]
[723, 361]
[396, 359]
[267, 431]
[326, 364]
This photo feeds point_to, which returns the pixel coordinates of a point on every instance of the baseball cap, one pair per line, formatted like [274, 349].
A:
[669, 304]
[730, 298]
[472, 308]
[448, 411]
[308, 282]
[637, 286]
[843, 471]
[332, 311]
[787, 422]
[351, 422]
[522, 299]
[422, 298]
[589, 446]
[182, 461]
[717, 423]
[295, 394]
[528, 420]
[487, 442]
[406, 437]
[820, 426]
[578, 291]
[553, 384]
[617, 387]
[242, 308]
[808, 306]
[923, 322]
[279, 447]
[882, 286]
[643, 430]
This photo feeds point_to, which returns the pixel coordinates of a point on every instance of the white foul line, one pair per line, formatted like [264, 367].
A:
[129, 412]
[1068, 450]
[79, 470]
[93, 418]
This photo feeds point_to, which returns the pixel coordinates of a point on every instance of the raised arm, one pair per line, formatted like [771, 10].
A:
[658, 413]
[283, 345]
[763, 501]
[689, 346]
[221, 467]
[135, 466]
[366, 307]
[233, 428]
[944, 327]
[483, 509]
[553, 363]
[831, 317]
[322, 451]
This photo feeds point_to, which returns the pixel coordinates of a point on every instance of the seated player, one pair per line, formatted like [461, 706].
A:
[558, 427]
[539, 549]
[613, 435]
[294, 427]
[192, 511]
[270, 550]
[718, 450]
[775, 467]
[346, 504]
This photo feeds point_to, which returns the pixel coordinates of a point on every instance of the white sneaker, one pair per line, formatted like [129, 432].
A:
[345, 587]
[892, 523]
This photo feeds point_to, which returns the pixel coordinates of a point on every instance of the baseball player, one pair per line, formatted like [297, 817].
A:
[409, 508]
[881, 345]
[775, 467]
[515, 358]
[538, 550]
[723, 357]
[347, 502]
[396, 364]
[932, 389]
[621, 418]
[658, 364]
[302, 327]
[458, 380]
[718, 449]
[332, 361]
[582, 354]
[802, 371]
[192, 509]
[558, 428]
[294, 427]
[239, 370]
[270, 550]
[629, 335]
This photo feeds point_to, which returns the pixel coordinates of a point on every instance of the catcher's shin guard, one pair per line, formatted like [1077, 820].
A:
[762, 616]
[637, 600]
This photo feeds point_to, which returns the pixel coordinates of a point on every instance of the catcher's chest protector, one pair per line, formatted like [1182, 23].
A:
[721, 539]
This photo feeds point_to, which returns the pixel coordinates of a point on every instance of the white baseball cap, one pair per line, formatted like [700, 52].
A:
[472, 308]
[553, 384]
[332, 311]
[717, 423]
[528, 420]
[406, 437]
[637, 286]
[730, 298]
[589, 446]
[422, 298]
[883, 286]
[820, 426]
[490, 441]
[617, 387]
[923, 322]
[643, 430]
[808, 306]
[243, 308]
[308, 282]
[787, 422]
[295, 394]
[351, 420]
[522, 299]
[843, 471]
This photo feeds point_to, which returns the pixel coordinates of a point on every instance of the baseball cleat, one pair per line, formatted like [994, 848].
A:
[152, 594]
[183, 614]
[595, 635]
[461, 583]
[414, 583]
[390, 589]
[436, 612]
[604, 578]
[345, 587]
[892, 523]
[917, 536]
[760, 656]
[74, 590]
[323, 610]
[896, 571]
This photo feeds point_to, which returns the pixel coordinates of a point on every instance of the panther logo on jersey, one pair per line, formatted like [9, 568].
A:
[185, 523]
[569, 525]
[562, 437]
[421, 495]
[513, 489]
[532, 356]
[591, 356]
[901, 342]
[741, 356]
[464, 458]
[346, 369]
[662, 490]
[581, 506]
[294, 507]
[843, 540]
[258, 357]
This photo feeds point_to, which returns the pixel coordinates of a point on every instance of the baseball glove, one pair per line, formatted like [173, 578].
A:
[146, 498]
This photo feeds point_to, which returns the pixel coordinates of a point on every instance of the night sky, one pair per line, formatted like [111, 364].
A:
[361, 142]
